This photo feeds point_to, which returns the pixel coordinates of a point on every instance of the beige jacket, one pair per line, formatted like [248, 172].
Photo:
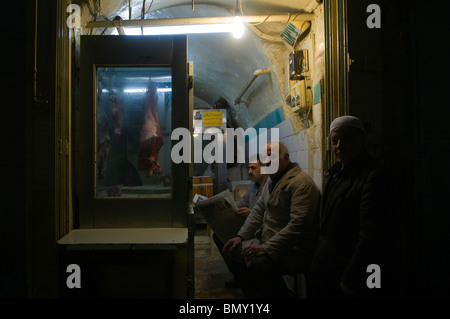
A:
[286, 219]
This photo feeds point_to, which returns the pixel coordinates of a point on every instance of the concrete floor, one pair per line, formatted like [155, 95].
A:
[211, 273]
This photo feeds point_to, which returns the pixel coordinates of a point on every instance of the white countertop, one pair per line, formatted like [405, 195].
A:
[125, 236]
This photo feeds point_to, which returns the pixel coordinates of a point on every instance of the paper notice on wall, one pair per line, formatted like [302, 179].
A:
[290, 34]
[212, 119]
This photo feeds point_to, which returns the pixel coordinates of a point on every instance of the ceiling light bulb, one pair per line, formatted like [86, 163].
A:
[238, 27]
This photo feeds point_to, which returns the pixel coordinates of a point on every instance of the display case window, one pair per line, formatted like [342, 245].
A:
[133, 128]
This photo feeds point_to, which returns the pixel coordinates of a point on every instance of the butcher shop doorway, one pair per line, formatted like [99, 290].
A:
[133, 92]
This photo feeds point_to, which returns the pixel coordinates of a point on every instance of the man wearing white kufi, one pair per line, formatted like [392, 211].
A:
[354, 227]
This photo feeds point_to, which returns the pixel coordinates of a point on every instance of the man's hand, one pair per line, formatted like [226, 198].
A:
[233, 242]
[243, 211]
[252, 251]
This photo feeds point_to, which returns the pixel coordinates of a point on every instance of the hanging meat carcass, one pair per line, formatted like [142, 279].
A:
[117, 115]
[151, 135]
[103, 138]
[103, 129]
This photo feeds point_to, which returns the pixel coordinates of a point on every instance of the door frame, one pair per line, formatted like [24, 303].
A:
[336, 70]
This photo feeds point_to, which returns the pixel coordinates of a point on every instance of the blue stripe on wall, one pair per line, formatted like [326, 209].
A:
[274, 118]
[271, 120]
[317, 93]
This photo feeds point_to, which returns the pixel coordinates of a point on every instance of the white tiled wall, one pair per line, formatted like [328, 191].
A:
[304, 148]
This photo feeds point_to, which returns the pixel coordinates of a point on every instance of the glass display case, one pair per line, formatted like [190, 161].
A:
[133, 93]
[133, 129]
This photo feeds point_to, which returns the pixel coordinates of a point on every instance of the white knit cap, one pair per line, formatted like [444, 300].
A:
[347, 120]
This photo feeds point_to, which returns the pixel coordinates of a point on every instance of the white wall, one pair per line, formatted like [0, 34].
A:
[306, 144]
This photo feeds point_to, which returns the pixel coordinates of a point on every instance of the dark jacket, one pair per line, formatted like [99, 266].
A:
[251, 196]
[354, 229]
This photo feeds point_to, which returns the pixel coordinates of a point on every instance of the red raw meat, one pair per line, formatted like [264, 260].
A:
[151, 136]
[104, 140]
[117, 116]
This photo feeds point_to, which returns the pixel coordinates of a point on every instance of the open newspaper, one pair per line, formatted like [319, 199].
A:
[219, 212]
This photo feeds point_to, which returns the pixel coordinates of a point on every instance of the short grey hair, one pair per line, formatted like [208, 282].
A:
[282, 148]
